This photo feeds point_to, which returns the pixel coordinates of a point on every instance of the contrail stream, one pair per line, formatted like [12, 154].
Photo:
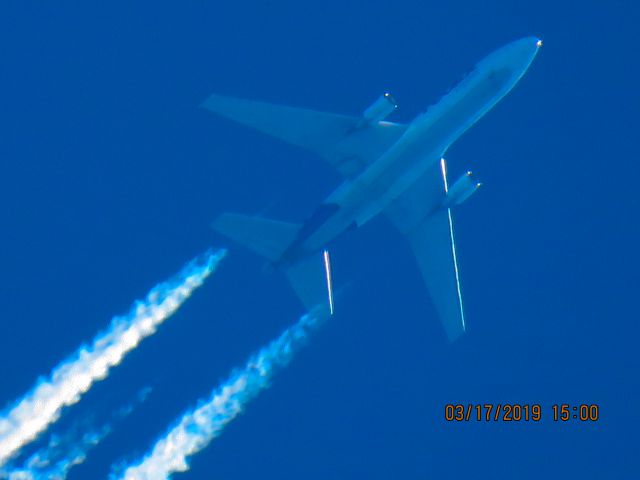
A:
[195, 430]
[35, 411]
[65, 451]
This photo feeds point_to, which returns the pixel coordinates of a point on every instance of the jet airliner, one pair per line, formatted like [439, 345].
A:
[390, 168]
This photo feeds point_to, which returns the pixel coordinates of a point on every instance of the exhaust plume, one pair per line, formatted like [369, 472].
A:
[65, 451]
[195, 430]
[35, 411]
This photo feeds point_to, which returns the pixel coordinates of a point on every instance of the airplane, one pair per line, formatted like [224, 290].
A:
[390, 168]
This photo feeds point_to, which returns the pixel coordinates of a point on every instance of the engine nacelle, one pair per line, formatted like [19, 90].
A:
[380, 109]
[462, 189]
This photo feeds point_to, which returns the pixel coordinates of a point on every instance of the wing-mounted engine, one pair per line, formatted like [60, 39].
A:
[462, 189]
[379, 110]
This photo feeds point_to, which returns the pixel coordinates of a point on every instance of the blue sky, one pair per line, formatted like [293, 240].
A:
[110, 177]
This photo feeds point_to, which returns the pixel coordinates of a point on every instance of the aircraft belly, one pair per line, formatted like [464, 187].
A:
[422, 145]
[329, 231]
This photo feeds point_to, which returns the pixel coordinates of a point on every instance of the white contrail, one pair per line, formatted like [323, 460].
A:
[63, 452]
[33, 413]
[198, 427]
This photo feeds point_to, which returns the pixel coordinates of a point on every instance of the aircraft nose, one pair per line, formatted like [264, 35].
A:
[515, 57]
[520, 54]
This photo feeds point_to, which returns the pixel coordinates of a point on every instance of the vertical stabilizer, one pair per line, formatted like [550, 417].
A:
[268, 238]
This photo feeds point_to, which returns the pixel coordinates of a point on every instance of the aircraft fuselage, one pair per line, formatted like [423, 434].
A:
[359, 199]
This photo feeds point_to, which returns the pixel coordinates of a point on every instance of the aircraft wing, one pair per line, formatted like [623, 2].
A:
[343, 141]
[419, 215]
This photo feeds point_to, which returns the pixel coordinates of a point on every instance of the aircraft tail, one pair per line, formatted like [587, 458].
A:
[268, 238]
[310, 277]
[307, 278]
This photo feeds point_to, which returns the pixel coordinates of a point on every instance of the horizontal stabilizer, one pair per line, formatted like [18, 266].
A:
[307, 278]
[268, 238]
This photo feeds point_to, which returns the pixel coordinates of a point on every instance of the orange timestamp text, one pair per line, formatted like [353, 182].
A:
[516, 412]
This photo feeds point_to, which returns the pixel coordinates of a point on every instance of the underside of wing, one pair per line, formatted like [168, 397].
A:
[420, 216]
[345, 142]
